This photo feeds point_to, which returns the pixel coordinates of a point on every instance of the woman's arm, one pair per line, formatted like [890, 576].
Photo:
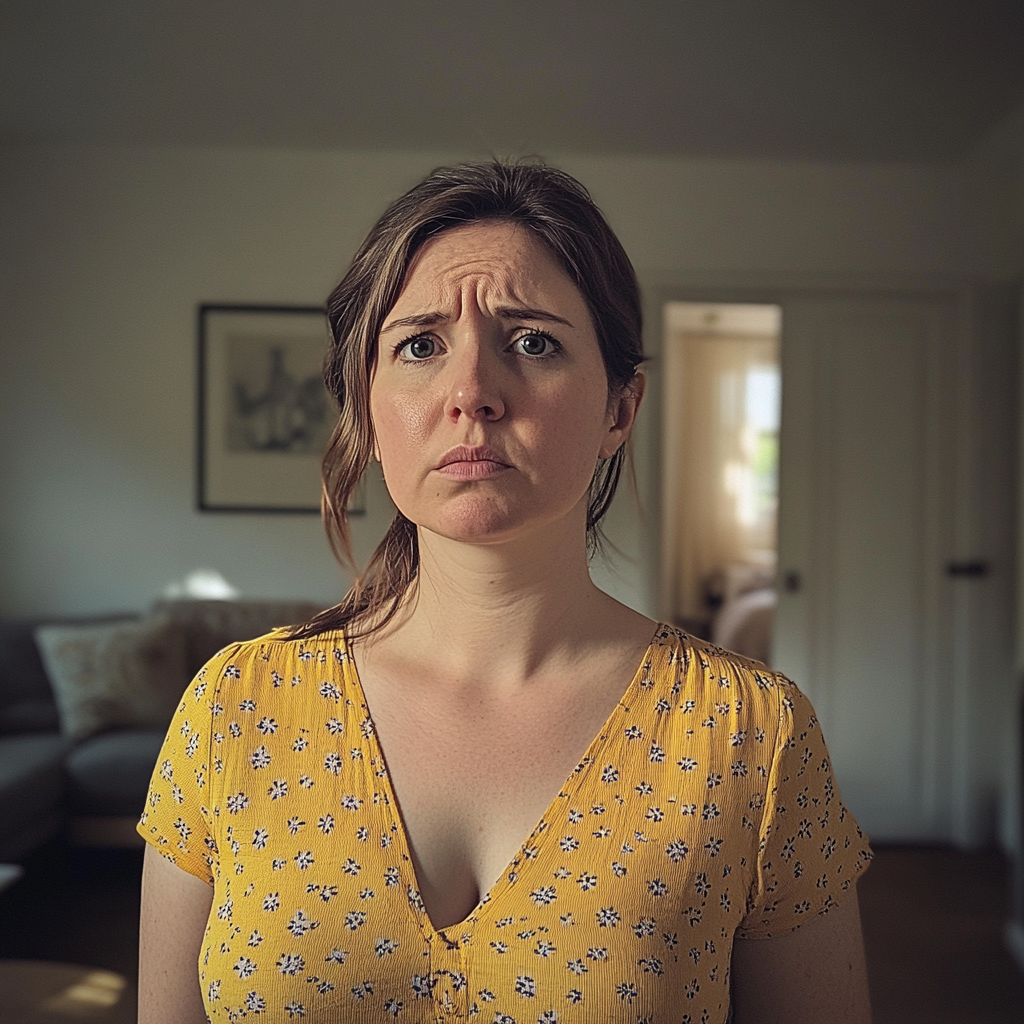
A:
[175, 906]
[815, 975]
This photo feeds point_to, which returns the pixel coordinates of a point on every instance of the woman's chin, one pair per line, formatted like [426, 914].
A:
[475, 521]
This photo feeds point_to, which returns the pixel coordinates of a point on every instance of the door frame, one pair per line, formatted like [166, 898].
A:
[966, 826]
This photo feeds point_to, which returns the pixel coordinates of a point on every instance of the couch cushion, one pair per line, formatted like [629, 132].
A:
[126, 674]
[212, 625]
[31, 780]
[109, 774]
[26, 698]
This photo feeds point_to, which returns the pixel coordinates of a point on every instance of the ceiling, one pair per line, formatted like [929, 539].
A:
[811, 79]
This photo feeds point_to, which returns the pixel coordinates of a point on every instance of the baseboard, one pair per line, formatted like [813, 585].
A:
[1015, 941]
[106, 832]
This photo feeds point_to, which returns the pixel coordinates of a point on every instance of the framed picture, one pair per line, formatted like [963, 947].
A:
[265, 417]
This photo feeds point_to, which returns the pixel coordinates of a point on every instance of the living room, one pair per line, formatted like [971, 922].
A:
[142, 178]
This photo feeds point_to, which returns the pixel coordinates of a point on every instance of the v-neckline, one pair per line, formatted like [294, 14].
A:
[508, 875]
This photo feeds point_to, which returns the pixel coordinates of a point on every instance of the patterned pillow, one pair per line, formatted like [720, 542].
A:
[127, 674]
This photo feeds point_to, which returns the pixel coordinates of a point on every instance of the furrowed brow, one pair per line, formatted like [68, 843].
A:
[419, 320]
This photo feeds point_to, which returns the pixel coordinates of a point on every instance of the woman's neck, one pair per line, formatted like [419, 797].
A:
[506, 613]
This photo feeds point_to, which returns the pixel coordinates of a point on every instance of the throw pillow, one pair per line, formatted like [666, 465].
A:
[117, 675]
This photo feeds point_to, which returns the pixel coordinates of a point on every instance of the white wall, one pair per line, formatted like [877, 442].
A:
[105, 253]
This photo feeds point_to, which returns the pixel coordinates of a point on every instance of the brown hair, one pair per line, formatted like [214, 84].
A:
[561, 213]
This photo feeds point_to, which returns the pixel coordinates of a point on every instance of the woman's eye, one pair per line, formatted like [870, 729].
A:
[418, 348]
[536, 345]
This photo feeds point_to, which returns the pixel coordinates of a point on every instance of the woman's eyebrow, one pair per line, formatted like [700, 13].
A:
[417, 320]
[527, 313]
[505, 312]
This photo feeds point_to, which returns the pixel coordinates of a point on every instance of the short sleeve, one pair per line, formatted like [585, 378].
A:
[177, 820]
[811, 848]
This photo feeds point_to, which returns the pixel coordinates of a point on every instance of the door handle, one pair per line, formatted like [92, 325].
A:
[969, 568]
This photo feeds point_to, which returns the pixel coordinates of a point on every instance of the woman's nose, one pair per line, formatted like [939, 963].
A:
[474, 388]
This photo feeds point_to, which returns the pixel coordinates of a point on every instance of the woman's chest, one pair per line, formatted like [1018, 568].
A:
[625, 895]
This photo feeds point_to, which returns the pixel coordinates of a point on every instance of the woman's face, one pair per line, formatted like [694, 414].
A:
[490, 400]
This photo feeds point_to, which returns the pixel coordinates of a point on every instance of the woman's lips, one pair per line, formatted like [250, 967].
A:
[476, 469]
[477, 463]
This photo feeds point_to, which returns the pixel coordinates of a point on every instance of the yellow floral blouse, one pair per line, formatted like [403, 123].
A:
[704, 810]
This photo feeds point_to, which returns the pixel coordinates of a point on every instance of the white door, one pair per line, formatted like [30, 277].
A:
[865, 532]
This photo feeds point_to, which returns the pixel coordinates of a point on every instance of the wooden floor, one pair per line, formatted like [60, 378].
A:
[933, 923]
[933, 929]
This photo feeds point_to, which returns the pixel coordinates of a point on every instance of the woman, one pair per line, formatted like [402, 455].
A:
[342, 807]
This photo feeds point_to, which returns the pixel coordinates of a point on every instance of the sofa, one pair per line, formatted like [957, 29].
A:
[84, 767]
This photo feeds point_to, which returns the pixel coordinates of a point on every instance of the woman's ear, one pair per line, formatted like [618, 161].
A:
[622, 412]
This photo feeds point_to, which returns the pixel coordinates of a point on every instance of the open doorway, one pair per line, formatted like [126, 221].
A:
[720, 448]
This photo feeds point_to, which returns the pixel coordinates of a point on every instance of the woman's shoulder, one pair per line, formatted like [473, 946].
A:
[687, 662]
[277, 657]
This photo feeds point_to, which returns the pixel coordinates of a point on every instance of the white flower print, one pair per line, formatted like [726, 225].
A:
[627, 991]
[423, 985]
[255, 1003]
[301, 923]
[260, 757]
[526, 986]
[677, 850]
[245, 967]
[544, 895]
[363, 990]
[237, 803]
[291, 963]
[304, 859]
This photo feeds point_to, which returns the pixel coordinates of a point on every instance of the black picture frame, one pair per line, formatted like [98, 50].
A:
[264, 415]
